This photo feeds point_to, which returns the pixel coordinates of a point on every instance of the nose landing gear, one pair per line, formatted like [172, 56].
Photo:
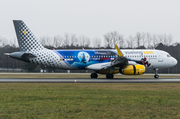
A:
[156, 75]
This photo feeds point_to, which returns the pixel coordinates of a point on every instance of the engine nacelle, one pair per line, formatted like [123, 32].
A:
[133, 70]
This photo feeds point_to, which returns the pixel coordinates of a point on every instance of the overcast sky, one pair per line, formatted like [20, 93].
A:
[92, 18]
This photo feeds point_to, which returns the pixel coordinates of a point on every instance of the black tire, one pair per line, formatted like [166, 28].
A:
[109, 76]
[94, 75]
[156, 76]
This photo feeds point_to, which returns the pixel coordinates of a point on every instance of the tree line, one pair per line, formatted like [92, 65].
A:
[109, 40]
[146, 40]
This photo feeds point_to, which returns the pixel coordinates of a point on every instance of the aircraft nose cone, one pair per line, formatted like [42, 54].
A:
[174, 61]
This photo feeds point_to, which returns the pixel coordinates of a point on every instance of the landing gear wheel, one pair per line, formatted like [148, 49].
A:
[94, 75]
[156, 76]
[109, 76]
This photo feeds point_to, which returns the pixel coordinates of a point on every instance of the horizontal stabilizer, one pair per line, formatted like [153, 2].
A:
[7, 54]
[28, 55]
[24, 56]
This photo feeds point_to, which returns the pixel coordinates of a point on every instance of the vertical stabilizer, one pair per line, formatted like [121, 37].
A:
[26, 39]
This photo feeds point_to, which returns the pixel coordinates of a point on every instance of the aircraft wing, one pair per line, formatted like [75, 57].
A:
[120, 61]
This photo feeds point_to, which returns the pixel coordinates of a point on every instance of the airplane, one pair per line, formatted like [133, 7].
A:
[108, 62]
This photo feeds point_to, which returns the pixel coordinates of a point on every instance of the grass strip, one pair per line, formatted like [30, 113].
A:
[92, 100]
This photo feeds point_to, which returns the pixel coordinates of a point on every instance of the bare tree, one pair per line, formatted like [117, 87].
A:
[108, 40]
[113, 38]
[13, 42]
[4, 41]
[66, 40]
[120, 41]
[84, 41]
[149, 39]
[160, 38]
[143, 36]
[97, 42]
[170, 40]
[46, 41]
[74, 40]
[1, 42]
[165, 39]
[155, 40]
[130, 42]
[138, 38]
[42, 40]
[55, 42]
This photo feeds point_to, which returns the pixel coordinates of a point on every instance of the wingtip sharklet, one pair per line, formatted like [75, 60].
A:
[118, 51]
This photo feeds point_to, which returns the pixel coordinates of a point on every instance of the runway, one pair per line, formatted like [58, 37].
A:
[87, 80]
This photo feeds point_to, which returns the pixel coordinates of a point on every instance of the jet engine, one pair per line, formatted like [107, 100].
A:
[133, 70]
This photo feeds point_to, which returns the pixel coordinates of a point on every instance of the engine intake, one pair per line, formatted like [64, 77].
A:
[133, 70]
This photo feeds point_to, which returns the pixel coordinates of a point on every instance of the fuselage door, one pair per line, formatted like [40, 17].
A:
[160, 57]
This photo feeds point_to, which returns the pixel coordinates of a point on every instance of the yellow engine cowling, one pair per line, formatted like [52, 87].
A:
[133, 70]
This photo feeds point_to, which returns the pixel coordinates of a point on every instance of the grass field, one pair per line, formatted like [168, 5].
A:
[93, 101]
[77, 75]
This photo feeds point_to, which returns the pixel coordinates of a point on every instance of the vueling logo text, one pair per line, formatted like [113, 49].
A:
[148, 52]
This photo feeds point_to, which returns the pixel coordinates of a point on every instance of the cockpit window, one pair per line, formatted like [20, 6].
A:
[168, 55]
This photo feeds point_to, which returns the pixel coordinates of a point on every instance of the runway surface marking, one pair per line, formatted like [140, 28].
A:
[87, 80]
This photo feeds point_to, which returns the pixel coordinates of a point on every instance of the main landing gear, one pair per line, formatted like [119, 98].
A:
[109, 76]
[94, 75]
[156, 75]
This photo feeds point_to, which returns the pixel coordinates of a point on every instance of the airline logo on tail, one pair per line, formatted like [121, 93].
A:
[26, 39]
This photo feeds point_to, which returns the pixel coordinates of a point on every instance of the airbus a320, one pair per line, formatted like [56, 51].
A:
[108, 62]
